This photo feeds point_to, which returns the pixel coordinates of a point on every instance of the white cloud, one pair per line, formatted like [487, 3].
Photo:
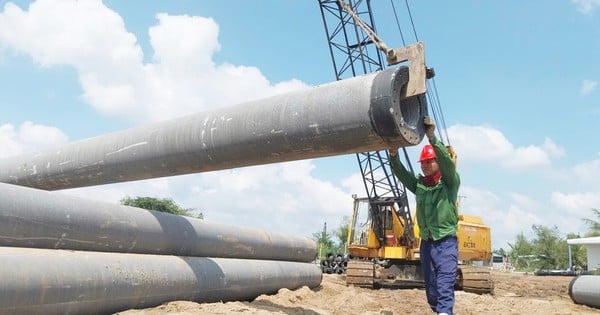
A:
[588, 172]
[81, 34]
[354, 183]
[91, 38]
[587, 87]
[479, 143]
[572, 208]
[506, 216]
[28, 136]
[522, 157]
[179, 40]
[578, 204]
[515, 212]
[552, 149]
[586, 6]
[486, 144]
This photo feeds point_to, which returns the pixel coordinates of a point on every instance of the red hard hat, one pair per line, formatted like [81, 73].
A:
[427, 153]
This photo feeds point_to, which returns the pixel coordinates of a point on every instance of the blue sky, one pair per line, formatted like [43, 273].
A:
[518, 83]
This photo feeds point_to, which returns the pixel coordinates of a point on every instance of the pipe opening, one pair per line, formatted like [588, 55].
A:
[395, 118]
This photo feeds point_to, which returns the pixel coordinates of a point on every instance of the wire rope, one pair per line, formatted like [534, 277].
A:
[432, 93]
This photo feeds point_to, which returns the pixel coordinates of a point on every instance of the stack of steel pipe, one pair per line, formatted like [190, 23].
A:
[67, 255]
[335, 263]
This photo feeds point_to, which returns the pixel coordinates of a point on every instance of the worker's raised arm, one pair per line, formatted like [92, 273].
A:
[443, 158]
[446, 164]
[406, 177]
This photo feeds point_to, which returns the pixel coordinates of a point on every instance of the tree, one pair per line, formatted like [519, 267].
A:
[324, 242]
[342, 234]
[593, 224]
[162, 205]
[547, 250]
[550, 248]
[520, 252]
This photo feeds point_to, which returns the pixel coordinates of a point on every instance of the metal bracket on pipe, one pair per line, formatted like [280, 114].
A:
[415, 55]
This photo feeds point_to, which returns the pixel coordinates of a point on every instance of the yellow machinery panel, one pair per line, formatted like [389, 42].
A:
[474, 237]
[387, 253]
[474, 240]
[394, 252]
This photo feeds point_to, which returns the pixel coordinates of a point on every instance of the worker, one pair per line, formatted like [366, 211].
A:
[436, 192]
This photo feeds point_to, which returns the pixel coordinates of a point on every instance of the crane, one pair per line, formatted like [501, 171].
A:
[356, 49]
[382, 232]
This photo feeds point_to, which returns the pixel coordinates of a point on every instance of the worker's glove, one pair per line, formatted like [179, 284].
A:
[429, 127]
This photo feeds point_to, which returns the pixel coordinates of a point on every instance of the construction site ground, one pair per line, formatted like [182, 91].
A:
[515, 293]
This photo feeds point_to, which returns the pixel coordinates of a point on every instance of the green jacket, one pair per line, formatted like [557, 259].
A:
[437, 215]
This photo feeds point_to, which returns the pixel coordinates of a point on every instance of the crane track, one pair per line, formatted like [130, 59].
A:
[471, 279]
[360, 273]
[475, 280]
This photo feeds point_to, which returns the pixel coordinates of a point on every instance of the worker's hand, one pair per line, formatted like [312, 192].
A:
[429, 127]
[393, 151]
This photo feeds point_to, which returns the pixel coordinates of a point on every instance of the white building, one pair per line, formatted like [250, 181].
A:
[592, 244]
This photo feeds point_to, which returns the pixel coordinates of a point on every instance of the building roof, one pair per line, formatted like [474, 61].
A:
[584, 241]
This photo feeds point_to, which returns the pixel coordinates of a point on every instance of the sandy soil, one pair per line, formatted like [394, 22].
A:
[514, 294]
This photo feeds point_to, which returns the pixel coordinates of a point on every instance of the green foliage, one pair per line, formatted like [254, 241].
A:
[593, 224]
[342, 233]
[162, 205]
[521, 253]
[578, 252]
[325, 240]
[547, 250]
[550, 249]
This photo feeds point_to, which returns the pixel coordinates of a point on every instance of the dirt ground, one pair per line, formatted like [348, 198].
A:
[514, 294]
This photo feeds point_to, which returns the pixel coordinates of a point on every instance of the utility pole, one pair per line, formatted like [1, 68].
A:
[323, 236]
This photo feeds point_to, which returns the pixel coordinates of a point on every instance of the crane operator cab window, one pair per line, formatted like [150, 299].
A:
[361, 223]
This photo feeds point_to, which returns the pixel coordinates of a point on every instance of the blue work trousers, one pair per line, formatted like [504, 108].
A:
[439, 261]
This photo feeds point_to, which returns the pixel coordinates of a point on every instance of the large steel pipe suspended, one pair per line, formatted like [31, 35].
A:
[42, 281]
[585, 289]
[42, 219]
[359, 114]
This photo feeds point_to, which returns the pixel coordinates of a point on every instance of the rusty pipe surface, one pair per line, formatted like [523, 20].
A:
[37, 218]
[359, 114]
[46, 281]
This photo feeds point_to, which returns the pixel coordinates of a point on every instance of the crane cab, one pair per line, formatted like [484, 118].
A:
[378, 230]
[384, 245]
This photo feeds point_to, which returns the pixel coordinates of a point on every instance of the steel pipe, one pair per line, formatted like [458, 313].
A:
[42, 219]
[585, 289]
[43, 281]
[359, 114]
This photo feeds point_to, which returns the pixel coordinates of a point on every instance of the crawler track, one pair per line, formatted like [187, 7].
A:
[475, 280]
[364, 273]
